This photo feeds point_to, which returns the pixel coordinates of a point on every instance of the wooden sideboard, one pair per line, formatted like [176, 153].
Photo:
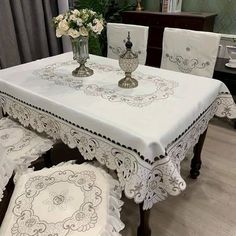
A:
[157, 21]
[226, 75]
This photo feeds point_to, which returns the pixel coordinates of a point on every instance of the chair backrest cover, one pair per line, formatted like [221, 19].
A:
[189, 51]
[117, 36]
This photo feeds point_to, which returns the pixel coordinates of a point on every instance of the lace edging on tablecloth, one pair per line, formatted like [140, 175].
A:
[143, 181]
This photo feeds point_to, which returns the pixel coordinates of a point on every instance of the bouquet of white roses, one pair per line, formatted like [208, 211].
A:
[77, 23]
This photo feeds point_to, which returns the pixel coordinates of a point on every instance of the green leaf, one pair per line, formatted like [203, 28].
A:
[110, 10]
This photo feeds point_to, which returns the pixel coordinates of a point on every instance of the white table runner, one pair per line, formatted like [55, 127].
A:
[135, 131]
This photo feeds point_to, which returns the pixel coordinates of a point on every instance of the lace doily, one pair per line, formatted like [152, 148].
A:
[19, 147]
[65, 200]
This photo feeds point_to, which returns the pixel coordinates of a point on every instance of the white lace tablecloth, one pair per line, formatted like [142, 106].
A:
[143, 133]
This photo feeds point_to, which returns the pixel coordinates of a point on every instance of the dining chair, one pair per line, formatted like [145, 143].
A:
[188, 51]
[19, 147]
[68, 199]
[117, 36]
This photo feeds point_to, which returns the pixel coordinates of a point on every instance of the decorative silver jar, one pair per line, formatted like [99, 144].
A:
[81, 54]
[128, 62]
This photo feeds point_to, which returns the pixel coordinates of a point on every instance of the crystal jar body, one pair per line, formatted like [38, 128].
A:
[128, 63]
[81, 54]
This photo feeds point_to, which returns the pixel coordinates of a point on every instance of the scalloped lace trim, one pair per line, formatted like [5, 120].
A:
[114, 224]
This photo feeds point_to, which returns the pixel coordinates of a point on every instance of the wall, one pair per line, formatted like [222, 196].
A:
[226, 10]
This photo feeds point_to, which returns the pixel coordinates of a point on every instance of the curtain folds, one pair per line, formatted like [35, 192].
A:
[26, 31]
[63, 6]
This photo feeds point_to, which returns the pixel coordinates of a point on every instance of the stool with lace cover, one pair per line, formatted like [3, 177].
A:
[18, 148]
[65, 200]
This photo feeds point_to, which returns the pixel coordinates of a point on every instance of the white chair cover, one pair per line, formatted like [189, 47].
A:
[66, 200]
[117, 36]
[18, 148]
[188, 51]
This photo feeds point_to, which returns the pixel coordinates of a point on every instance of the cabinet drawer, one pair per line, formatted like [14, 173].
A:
[132, 19]
[188, 23]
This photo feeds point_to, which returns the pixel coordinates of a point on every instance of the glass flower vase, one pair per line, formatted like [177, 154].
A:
[81, 54]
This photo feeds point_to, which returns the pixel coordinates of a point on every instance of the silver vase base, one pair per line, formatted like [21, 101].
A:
[82, 71]
[128, 82]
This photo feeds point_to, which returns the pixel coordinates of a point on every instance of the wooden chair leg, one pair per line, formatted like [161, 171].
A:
[6, 199]
[47, 158]
[196, 161]
[144, 228]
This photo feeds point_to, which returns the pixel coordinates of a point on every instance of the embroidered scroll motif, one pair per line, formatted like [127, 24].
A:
[144, 181]
[156, 89]
[46, 190]
[186, 65]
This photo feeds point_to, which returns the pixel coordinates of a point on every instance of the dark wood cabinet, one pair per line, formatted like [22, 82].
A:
[157, 21]
[226, 75]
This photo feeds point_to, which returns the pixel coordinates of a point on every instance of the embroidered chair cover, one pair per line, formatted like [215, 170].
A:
[18, 148]
[117, 36]
[190, 51]
[67, 200]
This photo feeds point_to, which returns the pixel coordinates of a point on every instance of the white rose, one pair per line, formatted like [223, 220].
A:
[79, 22]
[59, 17]
[63, 26]
[98, 27]
[73, 18]
[73, 33]
[75, 12]
[83, 31]
[59, 33]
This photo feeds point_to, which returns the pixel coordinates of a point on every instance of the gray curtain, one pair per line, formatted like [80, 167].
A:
[26, 31]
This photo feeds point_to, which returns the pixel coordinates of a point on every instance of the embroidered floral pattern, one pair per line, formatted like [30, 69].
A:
[186, 65]
[18, 147]
[29, 223]
[119, 50]
[144, 181]
[58, 200]
[13, 137]
[159, 88]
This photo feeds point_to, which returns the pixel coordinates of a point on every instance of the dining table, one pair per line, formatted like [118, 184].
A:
[142, 134]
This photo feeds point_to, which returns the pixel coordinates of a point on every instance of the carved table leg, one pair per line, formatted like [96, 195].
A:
[144, 228]
[196, 161]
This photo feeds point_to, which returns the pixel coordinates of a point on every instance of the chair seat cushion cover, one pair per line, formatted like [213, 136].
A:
[18, 148]
[68, 200]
